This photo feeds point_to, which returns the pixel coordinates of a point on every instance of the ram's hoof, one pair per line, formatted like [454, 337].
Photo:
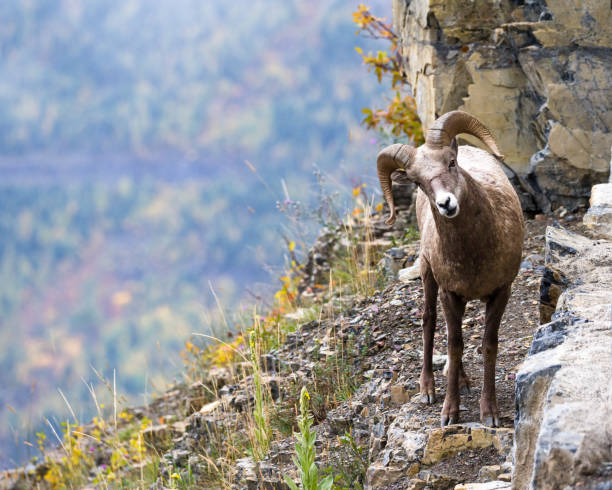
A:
[490, 421]
[488, 412]
[428, 387]
[428, 398]
[449, 419]
[450, 410]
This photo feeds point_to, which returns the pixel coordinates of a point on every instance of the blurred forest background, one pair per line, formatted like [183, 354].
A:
[125, 198]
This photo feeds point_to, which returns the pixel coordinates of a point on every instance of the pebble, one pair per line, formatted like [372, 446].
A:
[438, 361]
[489, 472]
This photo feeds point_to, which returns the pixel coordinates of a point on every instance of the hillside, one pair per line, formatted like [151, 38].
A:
[197, 286]
[355, 347]
[125, 199]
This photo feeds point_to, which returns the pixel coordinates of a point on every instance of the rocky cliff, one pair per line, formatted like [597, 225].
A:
[563, 418]
[360, 358]
[538, 73]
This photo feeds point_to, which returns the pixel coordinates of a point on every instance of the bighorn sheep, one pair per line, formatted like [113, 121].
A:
[471, 226]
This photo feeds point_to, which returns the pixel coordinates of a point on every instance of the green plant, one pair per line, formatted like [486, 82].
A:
[353, 265]
[333, 382]
[412, 234]
[351, 464]
[305, 452]
[261, 432]
[182, 481]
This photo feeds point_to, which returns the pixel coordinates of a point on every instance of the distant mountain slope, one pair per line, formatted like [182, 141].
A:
[124, 130]
[198, 77]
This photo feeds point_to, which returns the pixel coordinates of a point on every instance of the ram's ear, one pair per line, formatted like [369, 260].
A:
[454, 145]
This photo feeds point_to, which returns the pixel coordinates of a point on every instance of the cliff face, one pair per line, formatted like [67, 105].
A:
[538, 75]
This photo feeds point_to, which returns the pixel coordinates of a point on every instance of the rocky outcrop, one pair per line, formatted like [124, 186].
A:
[599, 215]
[564, 388]
[361, 362]
[559, 245]
[539, 74]
[376, 235]
[411, 452]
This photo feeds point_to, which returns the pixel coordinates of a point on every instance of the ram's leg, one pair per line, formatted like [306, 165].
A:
[453, 307]
[464, 381]
[430, 288]
[494, 311]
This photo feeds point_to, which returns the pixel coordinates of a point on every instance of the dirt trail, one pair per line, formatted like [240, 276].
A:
[387, 328]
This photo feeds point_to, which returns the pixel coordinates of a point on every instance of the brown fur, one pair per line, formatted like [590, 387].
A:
[480, 250]
[474, 255]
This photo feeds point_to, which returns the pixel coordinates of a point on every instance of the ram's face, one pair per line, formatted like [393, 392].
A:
[436, 172]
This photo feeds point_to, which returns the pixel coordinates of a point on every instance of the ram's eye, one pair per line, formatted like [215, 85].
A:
[452, 163]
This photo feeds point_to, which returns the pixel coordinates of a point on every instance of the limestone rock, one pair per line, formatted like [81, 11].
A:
[396, 259]
[538, 75]
[491, 485]
[489, 472]
[553, 283]
[551, 334]
[564, 387]
[439, 362]
[219, 377]
[456, 438]
[246, 472]
[410, 273]
[210, 407]
[382, 476]
[599, 216]
[401, 393]
[410, 451]
[271, 477]
[506, 477]
[561, 243]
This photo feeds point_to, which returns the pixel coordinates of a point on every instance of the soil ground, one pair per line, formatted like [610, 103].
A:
[388, 326]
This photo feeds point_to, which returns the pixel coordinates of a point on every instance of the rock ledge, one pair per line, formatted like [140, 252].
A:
[564, 388]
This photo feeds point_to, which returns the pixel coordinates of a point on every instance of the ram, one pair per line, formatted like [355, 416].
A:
[471, 226]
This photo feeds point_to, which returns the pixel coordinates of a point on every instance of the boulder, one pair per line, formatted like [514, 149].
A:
[489, 472]
[564, 387]
[395, 260]
[410, 273]
[599, 216]
[538, 74]
[453, 439]
[490, 485]
[560, 243]
[410, 450]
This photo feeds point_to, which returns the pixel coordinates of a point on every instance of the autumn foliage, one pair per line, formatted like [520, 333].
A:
[400, 116]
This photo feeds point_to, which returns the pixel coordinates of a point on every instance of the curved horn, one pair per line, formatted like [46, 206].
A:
[446, 127]
[393, 157]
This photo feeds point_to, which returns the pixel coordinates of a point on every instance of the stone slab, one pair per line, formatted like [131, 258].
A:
[599, 216]
[564, 387]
